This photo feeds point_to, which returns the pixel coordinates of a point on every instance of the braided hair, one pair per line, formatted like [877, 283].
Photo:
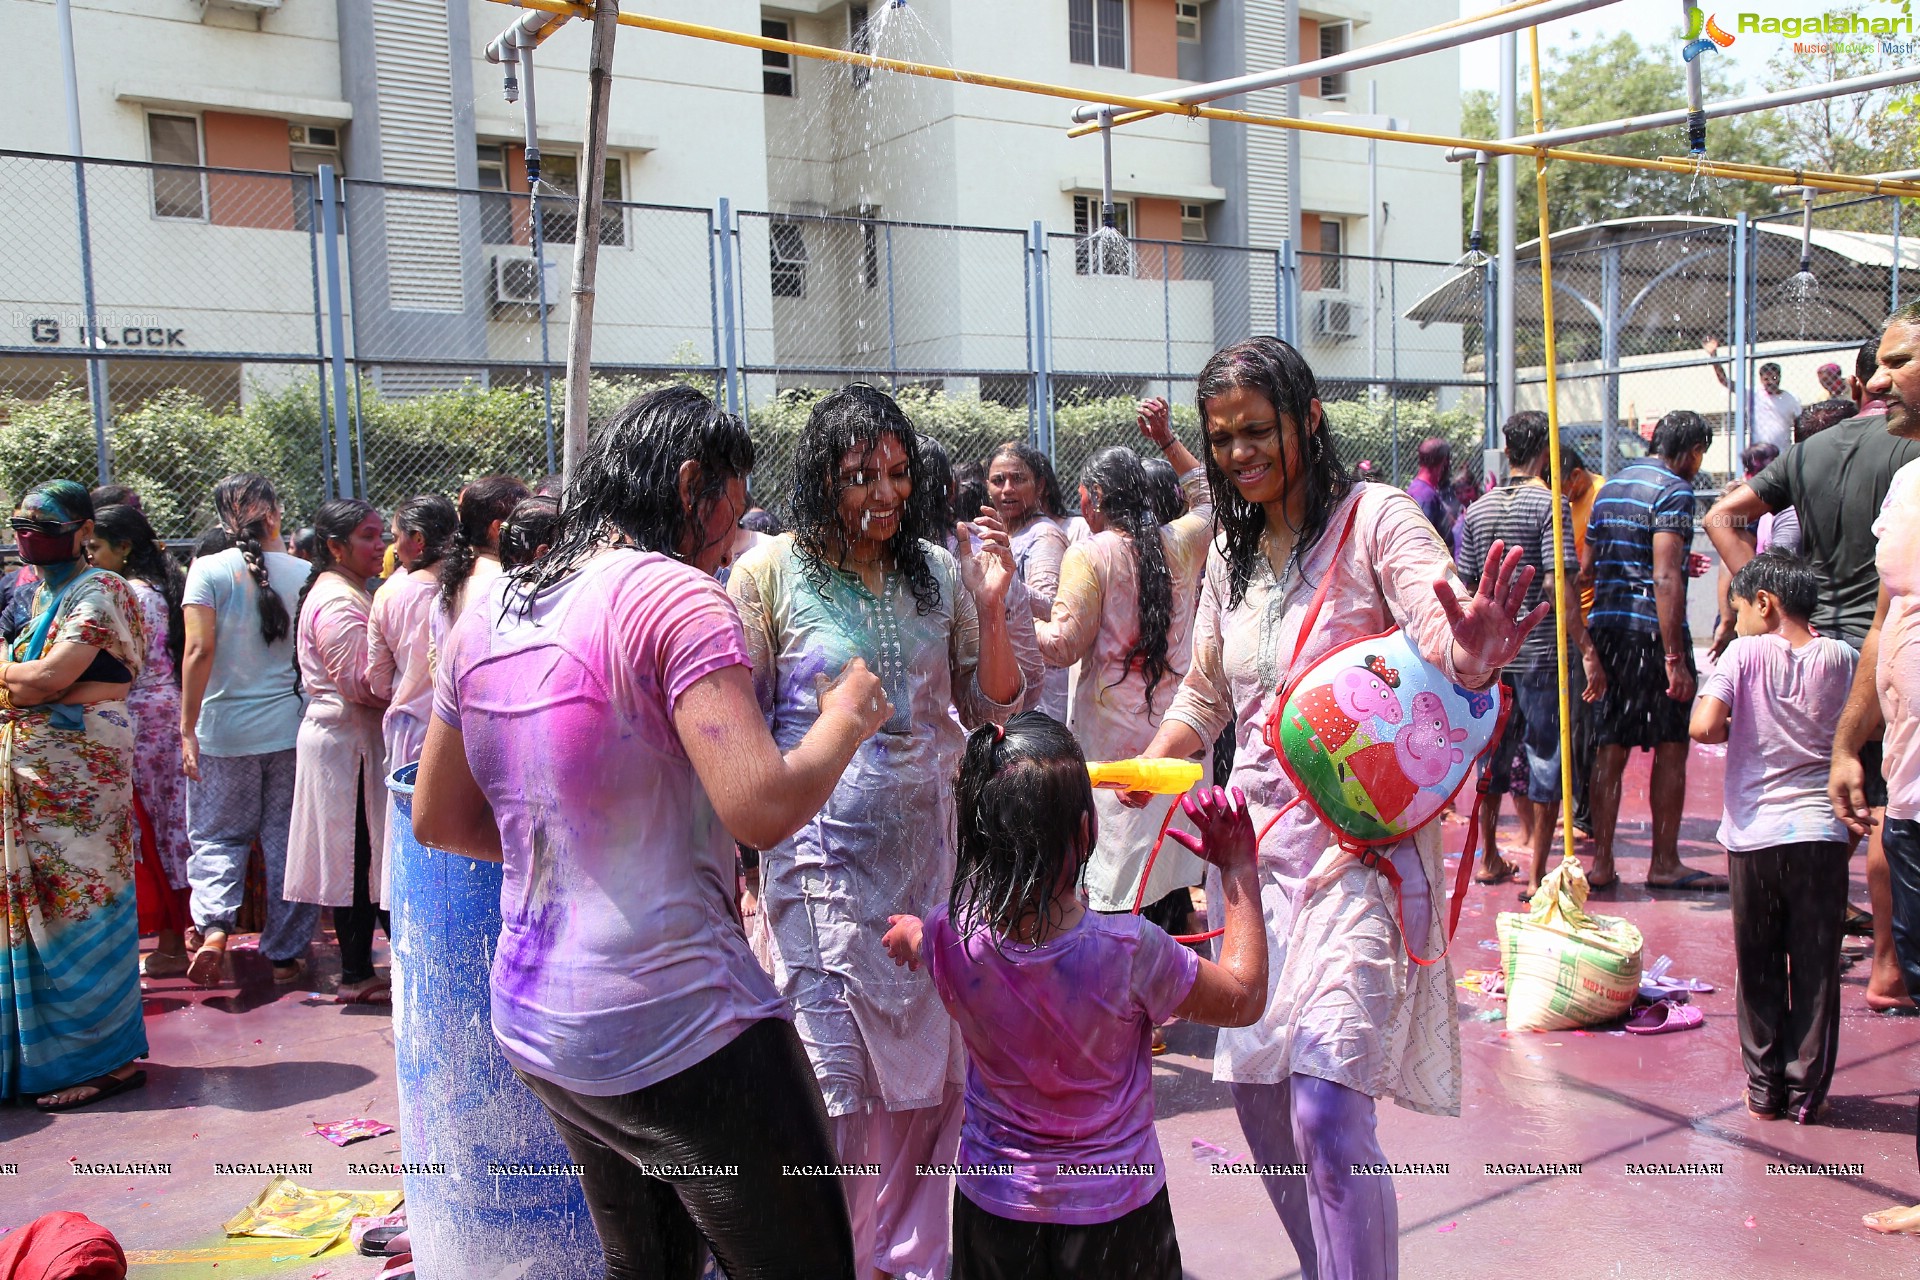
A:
[1047, 499]
[248, 507]
[856, 418]
[486, 500]
[432, 516]
[147, 561]
[628, 484]
[334, 522]
[1117, 485]
[1027, 825]
[1277, 372]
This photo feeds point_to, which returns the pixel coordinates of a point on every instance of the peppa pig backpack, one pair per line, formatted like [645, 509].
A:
[1377, 741]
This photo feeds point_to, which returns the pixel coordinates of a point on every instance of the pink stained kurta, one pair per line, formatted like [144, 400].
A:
[1095, 623]
[1897, 677]
[1345, 1003]
[397, 666]
[1038, 549]
[154, 701]
[339, 749]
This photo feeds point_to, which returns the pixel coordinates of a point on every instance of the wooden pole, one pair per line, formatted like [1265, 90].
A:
[586, 240]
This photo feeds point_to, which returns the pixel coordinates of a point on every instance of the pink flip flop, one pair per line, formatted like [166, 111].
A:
[1663, 1016]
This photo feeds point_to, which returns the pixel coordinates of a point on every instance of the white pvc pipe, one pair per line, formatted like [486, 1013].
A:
[1372, 56]
[523, 31]
[1731, 107]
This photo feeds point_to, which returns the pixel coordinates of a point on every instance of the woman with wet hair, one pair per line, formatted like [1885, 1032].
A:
[1023, 490]
[473, 559]
[336, 853]
[397, 634]
[1124, 612]
[529, 531]
[71, 1031]
[862, 575]
[124, 543]
[239, 719]
[624, 992]
[1350, 1019]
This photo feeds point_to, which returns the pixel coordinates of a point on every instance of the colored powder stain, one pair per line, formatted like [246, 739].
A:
[1450, 1226]
[1751, 1224]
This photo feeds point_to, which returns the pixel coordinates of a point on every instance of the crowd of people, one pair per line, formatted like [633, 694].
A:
[818, 945]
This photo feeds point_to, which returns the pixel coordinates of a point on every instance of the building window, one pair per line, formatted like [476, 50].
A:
[307, 160]
[1332, 246]
[1113, 260]
[1193, 223]
[788, 242]
[496, 206]
[1335, 39]
[176, 140]
[1186, 21]
[776, 69]
[1097, 32]
[859, 41]
[560, 217]
[870, 254]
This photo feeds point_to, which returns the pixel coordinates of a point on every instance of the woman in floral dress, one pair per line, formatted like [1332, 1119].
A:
[70, 1027]
[124, 543]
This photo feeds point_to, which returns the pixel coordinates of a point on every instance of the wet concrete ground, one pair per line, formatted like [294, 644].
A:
[240, 1074]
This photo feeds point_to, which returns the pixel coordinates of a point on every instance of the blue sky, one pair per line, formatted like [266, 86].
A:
[1648, 20]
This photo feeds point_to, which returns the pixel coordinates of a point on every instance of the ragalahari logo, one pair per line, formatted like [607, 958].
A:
[1703, 34]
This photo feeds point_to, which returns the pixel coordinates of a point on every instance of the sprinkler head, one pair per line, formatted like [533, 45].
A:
[1106, 217]
[1697, 132]
[1806, 264]
[898, 4]
[1476, 242]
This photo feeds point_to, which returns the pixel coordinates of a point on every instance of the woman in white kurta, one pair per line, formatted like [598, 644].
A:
[861, 577]
[1128, 673]
[398, 639]
[336, 852]
[1350, 1019]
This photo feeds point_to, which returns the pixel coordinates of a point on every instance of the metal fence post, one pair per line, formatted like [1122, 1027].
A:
[1742, 291]
[893, 334]
[536, 235]
[319, 331]
[1286, 279]
[1039, 357]
[97, 389]
[336, 330]
[1609, 347]
[729, 347]
[1894, 301]
[1489, 353]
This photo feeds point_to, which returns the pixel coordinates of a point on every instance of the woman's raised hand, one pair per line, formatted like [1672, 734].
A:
[986, 560]
[1488, 629]
[1225, 824]
[1156, 421]
[857, 694]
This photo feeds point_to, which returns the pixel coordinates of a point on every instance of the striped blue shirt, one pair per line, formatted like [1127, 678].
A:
[1645, 498]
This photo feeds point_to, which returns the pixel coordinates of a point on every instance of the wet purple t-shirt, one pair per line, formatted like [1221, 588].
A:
[1060, 1063]
[620, 960]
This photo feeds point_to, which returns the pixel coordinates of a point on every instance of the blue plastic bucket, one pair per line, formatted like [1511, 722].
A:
[463, 1112]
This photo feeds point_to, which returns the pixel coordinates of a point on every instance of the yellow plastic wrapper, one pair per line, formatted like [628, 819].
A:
[1566, 968]
[287, 1210]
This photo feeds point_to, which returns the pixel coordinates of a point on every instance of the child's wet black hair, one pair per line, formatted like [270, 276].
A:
[1786, 577]
[1027, 824]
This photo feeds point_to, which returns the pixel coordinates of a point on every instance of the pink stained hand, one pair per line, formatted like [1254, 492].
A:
[1225, 824]
[1489, 628]
[902, 941]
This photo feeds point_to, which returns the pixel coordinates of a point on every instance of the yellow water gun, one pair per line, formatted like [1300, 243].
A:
[1159, 776]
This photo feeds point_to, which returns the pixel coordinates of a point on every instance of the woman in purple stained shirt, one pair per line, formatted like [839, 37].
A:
[595, 728]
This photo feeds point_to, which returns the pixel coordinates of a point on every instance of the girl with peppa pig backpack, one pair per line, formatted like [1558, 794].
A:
[1360, 680]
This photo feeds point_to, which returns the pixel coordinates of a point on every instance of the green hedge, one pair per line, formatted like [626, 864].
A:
[174, 446]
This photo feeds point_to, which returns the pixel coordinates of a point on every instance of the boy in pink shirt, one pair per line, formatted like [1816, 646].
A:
[1775, 698]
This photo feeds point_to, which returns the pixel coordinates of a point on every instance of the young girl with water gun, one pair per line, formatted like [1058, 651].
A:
[1059, 1169]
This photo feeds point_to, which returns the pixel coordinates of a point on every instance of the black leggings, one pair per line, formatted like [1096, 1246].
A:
[354, 925]
[1135, 1246]
[732, 1123]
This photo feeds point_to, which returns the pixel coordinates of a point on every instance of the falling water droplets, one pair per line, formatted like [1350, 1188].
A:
[1108, 253]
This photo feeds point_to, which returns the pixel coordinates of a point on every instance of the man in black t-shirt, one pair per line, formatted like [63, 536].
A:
[1836, 481]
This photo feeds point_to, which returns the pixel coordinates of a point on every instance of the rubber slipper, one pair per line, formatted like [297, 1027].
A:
[108, 1086]
[378, 993]
[1663, 1016]
[1595, 886]
[1859, 923]
[1500, 877]
[284, 974]
[1694, 882]
[204, 969]
[374, 1243]
[401, 1268]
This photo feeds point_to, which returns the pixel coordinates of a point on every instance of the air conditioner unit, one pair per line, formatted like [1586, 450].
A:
[517, 284]
[255, 7]
[1335, 318]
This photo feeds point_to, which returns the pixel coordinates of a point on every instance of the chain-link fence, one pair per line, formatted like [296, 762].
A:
[167, 324]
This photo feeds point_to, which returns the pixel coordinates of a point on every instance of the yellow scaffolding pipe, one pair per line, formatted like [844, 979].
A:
[694, 30]
[1556, 478]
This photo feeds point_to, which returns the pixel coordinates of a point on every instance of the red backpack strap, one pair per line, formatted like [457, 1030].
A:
[1463, 877]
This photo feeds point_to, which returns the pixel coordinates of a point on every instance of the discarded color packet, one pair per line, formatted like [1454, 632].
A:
[342, 1132]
